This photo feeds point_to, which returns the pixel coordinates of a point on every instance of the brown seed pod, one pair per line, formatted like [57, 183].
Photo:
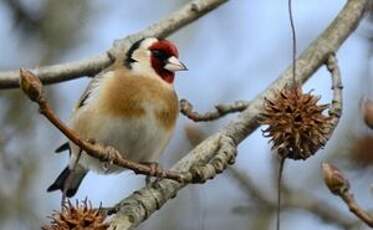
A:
[77, 217]
[297, 125]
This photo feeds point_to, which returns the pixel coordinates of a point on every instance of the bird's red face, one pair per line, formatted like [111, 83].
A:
[164, 60]
[158, 54]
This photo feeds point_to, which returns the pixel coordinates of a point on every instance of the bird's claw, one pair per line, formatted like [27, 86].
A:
[155, 171]
[112, 154]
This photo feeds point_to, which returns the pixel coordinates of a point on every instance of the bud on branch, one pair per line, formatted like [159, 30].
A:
[334, 179]
[31, 85]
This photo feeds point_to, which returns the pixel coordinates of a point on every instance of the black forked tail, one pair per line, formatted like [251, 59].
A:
[73, 185]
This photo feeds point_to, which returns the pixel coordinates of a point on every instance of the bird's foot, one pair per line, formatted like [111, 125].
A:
[155, 175]
[112, 155]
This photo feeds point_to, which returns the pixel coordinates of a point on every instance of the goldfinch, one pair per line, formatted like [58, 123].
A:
[132, 107]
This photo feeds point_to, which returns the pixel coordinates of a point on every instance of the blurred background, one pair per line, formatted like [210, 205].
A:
[232, 53]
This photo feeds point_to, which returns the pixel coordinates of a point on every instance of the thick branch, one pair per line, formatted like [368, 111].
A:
[91, 66]
[137, 207]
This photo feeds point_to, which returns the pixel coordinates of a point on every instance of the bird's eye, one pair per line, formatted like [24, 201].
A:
[159, 54]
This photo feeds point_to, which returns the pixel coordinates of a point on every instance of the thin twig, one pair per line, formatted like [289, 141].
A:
[340, 186]
[294, 42]
[335, 110]
[354, 207]
[279, 191]
[186, 108]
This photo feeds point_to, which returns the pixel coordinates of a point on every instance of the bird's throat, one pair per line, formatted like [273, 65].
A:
[168, 77]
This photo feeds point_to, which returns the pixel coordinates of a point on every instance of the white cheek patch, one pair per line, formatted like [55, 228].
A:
[142, 57]
[142, 66]
[142, 54]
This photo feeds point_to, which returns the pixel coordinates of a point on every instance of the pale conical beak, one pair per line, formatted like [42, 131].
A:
[173, 64]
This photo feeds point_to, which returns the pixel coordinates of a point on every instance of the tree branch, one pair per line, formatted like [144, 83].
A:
[140, 205]
[221, 110]
[93, 65]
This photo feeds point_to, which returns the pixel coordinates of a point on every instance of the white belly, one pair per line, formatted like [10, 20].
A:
[139, 139]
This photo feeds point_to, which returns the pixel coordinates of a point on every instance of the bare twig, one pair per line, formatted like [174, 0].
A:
[136, 208]
[348, 198]
[340, 186]
[186, 108]
[32, 86]
[93, 65]
[335, 111]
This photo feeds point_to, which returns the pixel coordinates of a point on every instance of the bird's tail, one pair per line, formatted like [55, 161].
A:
[61, 182]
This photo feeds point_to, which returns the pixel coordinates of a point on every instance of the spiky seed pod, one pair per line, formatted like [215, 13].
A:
[77, 217]
[297, 125]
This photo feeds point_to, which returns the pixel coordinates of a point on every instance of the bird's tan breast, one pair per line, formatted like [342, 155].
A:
[131, 96]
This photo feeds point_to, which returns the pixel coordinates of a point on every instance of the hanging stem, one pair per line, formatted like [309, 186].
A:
[279, 190]
[294, 41]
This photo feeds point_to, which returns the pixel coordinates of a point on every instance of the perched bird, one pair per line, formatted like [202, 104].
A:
[132, 107]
